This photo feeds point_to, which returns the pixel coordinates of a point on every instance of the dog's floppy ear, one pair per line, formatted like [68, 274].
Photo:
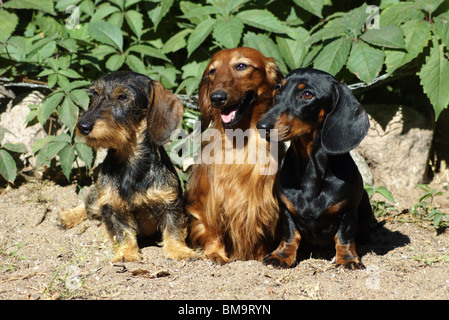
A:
[274, 75]
[164, 114]
[204, 102]
[346, 125]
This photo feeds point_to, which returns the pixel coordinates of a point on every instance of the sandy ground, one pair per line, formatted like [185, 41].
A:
[406, 259]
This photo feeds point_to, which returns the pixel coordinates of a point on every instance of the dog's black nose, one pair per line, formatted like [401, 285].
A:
[85, 127]
[218, 98]
[265, 125]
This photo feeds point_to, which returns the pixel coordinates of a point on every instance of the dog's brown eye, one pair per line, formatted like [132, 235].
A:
[212, 72]
[122, 98]
[241, 66]
[307, 95]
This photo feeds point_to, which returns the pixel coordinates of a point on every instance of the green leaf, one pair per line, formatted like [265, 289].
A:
[148, 51]
[313, 6]
[76, 84]
[160, 11]
[199, 34]
[135, 22]
[80, 97]
[293, 51]
[68, 113]
[8, 168]
[365, 61]
[135, 64]
[382, 190]
[388, 36]
[107, 33]
[16, 147]
[49, 106]
[311, 55]
[355, 19]
[228, 32]
[66, 159]
[51, 80]
[192, 73]
[48, 148]
[417, 35]
[176, 42]
[63, 81]
[69, 73]
[429, 6]
[334, 28]
[333, 56]
[197, 13]
[102, 12]
[262, 19]
[437, 218]
[85, 153]
[400, 12]
[8, 23]
[115, 62]
[189, 84]
[434, 76]
[441, 26]
[41, 5]
[267, 46]
[46, 72]
[233, 5]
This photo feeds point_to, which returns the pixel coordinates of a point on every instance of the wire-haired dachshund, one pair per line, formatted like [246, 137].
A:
[137, 193]
[320, 189]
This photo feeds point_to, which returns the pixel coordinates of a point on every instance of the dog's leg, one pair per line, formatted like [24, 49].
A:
[365, 218]
[285, 254]
[72, 217]
[126, 250]
[174, 236]
[215, 250]
[346, 254]
[202, 235]
[122, 232]
[87, 210]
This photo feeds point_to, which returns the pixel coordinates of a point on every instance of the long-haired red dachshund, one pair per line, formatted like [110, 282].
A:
[234, 212]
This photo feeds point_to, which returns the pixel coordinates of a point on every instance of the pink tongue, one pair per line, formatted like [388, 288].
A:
[226, 118]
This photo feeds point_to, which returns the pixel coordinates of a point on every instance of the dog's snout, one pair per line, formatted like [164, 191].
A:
[218, 98]
[265, 124]
[85, 127]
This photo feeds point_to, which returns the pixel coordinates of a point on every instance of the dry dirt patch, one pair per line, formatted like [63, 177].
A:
[40, 261]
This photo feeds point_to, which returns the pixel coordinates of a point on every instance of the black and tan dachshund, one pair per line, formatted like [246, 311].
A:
[137, 193]
[322, 199]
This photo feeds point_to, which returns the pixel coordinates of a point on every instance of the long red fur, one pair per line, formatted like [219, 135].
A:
[233, 208]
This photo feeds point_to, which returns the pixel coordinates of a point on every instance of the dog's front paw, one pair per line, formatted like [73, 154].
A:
[279, 260]
[180, 252]
[127, 251]
[217, 258]
[68, 219]
[354, 264]
[126, 256]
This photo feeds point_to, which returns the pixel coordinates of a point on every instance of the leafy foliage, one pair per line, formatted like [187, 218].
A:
[69, 43]
[8, 167]
[380, 207]
[427, 210]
